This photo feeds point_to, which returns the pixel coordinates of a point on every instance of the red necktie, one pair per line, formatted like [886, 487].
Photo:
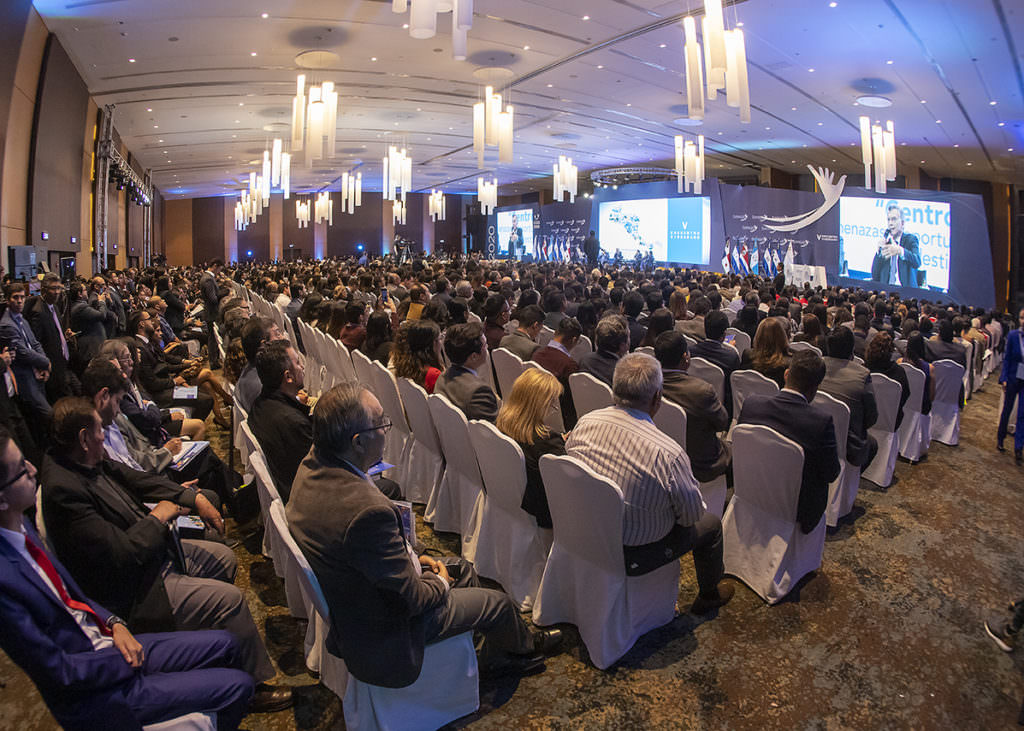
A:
[47, 566]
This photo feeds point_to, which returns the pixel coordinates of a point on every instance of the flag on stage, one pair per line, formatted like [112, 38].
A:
[789, 264]
[737, 267]
[769, 263]
[754, 268]
[745, 259]
[775, 259]
[725, 262]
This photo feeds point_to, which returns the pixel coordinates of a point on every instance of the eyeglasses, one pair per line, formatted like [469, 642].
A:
[386, 426]
[18, 475]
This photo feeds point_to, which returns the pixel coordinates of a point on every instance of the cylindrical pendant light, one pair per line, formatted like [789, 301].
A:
[423, 19]
[694, 71]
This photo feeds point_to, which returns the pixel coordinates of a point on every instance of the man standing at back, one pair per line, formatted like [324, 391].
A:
[664, 514]
[591, 249]
[791, 413]
[210, 293]
[31, 367]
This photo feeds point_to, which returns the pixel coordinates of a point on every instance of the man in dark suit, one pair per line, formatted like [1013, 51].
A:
[90, 669]
[50, 327]
[134, 564]
[466, 349]
[89, 317]
[523, 340]
[591, 249]
[98, 289]
[791, 413]
[944, 348]
[699, 306]
[554, 306]
[850, 382]
[632, 306]
[210, 293]
[899, 248]
[31, 367]
[385, 602]
[556, 358]
[714, 350]
[705, 414]
[157, 374]
[611, 340]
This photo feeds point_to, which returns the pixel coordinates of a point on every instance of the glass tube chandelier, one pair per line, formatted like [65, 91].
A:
[878, 147]
[397, 173]
[314, 120]
[492, 127]
[323, 208]
[398, 211]
[302, 213]
[724, 63]
[423, 20]
[436, 207]
[689, 165]
[351, 192]
[487, 193]
[565, 179]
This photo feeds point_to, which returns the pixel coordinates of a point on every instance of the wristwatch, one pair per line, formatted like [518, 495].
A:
[114, 619]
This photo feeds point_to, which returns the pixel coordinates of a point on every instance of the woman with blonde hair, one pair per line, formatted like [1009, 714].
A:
[769, 355]
[521, 417]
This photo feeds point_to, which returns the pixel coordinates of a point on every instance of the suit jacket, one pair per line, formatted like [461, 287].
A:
[811, 427]
[636, 333]
[600, 364]
[705, 416]
[117, 305]
[89, 317]
[46, 330]
[906, 265]
[469, 393]
[519, 343]
[1012, 357]
[939, 349]
[156, 374]
[694, 328]
[101, 530]
[176, 307]
[28, 352]
[40, 635]
[284, 428]
[352, 537]
[552, 319]
[850, 382]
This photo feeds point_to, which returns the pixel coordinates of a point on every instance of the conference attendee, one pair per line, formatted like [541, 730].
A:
[379, 338]
[878, 358]
[354, 332]
[897, 258]
[749, 316]
[91, 671]
[791, 413]
[705, 414]
[632, 306]
[521, 417]
[210, 294]
[297, 294]
[99, 289]
[660, 321]
[523, 340]
[699, 306]
[30, 366]
[29, 440]
[495, 317]
[135, 565]
[556, 358]
[1011, 378]
[554, 308]
[591, 249]
[50, 328]
[769, 354]
[386, 603]
[850, 382]
[416, 354]
[461, 384]
[713, 347]
[255, 332]
[279, 418]
[915, 356]
[811, 332]
[663, 515]
[169, 340]
[611, 342]
[89, 317]
[944, 348]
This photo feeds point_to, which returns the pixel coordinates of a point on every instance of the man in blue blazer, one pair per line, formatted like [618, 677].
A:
[89, 668]
[31, 367]
[1012, 380]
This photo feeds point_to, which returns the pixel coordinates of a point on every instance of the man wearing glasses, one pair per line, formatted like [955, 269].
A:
[386, 602]
[47, 317]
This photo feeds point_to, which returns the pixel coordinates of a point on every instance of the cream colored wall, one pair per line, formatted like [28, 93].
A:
[14, 206]
[84, 257]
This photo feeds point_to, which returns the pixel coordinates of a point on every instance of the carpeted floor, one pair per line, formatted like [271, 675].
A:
[886, 635]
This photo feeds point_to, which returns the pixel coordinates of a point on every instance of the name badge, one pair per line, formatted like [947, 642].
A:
[1020, 371]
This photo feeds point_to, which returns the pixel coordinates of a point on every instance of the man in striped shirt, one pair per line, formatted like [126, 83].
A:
[664, 514]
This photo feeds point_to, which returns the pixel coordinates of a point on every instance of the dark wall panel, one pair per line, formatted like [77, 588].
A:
[256, 238]
[362, 227]
[448, 233]
[413, 228]
[56, 167]
[13, 19]
[208, 229]
[293, 236]
[136, 214]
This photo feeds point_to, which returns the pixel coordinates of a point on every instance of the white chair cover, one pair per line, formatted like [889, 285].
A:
[857, 359]
[553, 420]
[399, 443]
[339, 360]
[747, 382]
[545, 335]
[705, 370]
[511, 548]
[583, 347]
[802, 345]
[460, 497]
[945, 426]
[690, 342]
[911, 434]
[41, 522]
[189, 722]
[507, 367]
[645, 349]
[741, 341]
[585, 580]
[363, 368]
[887, 395]
[671, 419]
[267, 492]
[425, 463]
[764, 546]
[333, 673]
[842, 491]
[447, 688]
[714, 493]
[588, 393]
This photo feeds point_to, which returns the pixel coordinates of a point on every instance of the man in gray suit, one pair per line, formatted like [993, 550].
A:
[944, 348]
[30, 367]
[699, 306]
[466, 347]
[387, 603]
[850, 382]
[523, 340]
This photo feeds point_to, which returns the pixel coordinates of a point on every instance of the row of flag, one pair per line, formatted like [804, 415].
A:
[744, 261]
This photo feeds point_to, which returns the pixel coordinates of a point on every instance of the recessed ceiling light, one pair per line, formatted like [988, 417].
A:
[832, 4]
[149, 109]
[165, 152]
[938, 121]
[663, 45]
[992, 103]
[811, 70]
[969, 164]
[156, 126]
[373, 58]
[821, 124]
[629, 104]
[586, 17]
[234, 136]
[238, 121]
[875, 102]
[550, 85]
[600, 65]
[1009, 149]
[1001, 124]
[526, 48]
[889, 62]
[253, 53]
[405, 26]
[767, 128]
[792, 109]
[956, 145]
[922, 162]
[265, 15]
[131, 60]
[159, 140]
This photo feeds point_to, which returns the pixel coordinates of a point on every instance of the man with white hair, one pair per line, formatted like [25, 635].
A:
[664, 514]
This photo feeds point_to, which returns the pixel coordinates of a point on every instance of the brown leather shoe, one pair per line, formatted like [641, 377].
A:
[271, 698]
[705, 604]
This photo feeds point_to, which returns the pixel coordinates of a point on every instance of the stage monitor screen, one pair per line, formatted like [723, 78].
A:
[895, 242]
[515, 232]
[670, 229]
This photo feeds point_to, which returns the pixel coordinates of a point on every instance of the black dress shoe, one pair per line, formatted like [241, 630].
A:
[1000, 447]
[547, 641]
[513, 666]
[1018, 457]
[271, 698]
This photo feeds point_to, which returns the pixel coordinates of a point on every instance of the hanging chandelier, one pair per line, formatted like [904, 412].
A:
[565, 179]
[436, 205]
[302, 213]
[487, 193]
[689, 165]
[423, 20]
[878, 146]
[323, 208]
[246, 209]
[724, 63]
[314, 120]
[492, 127]
[351, 192]
[397, 173]
[398, 211]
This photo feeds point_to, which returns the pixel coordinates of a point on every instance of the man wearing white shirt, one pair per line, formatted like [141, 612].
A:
[664, 514]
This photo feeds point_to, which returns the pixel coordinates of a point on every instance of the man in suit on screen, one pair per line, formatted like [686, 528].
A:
[898, 257]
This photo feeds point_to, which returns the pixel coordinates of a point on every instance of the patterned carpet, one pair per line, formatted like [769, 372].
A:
[886, 635]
